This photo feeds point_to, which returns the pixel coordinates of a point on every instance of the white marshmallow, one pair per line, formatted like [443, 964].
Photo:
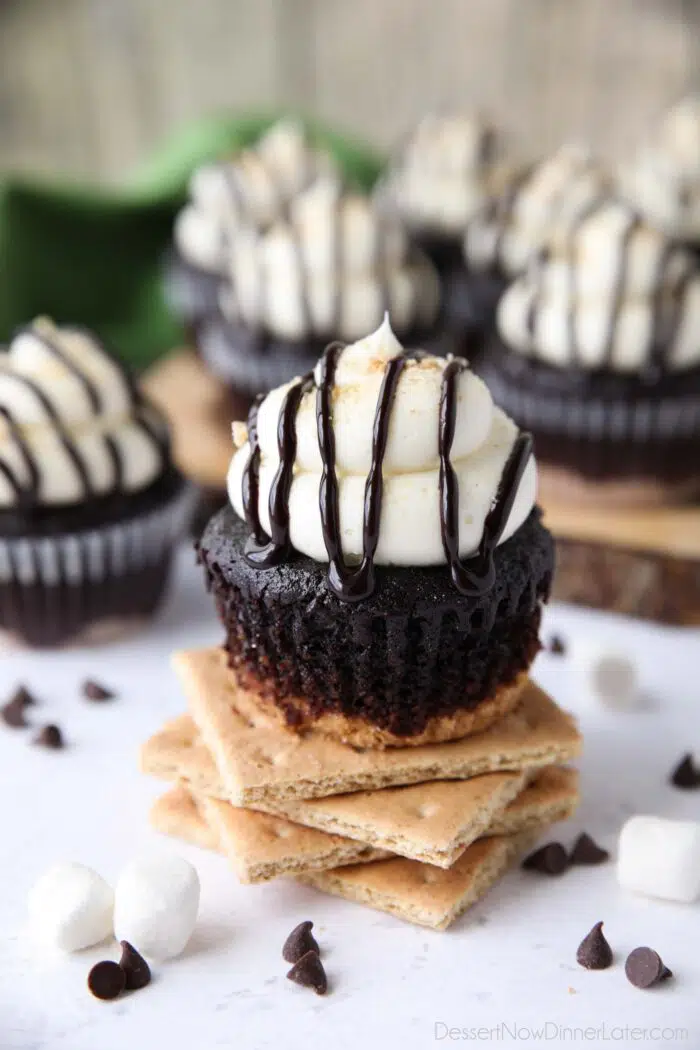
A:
[660, 858]
[605, 676]
[71, 907]
[156, 902]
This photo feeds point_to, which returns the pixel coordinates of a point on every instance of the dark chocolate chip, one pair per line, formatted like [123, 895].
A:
[300, 941]
[557, 645]
[92, 690]
[24, 697]
[13, 714]
[106, 980]
[686, 775]
[309, 973]
[594, 952]
[50, 737]
[643, 967]
[136, 969]
[586, 851]
[549, 860]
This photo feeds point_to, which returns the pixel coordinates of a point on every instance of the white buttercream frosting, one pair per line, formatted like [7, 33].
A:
[443, 173]
[410, 532]
[509, 231]
[69, 410]
[330, 270]
[603, 294]
[663, 179]
[253, 187]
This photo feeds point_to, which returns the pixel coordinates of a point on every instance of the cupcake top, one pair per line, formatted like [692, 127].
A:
[505, 234]
[443, 173]
[608, 293]
[663, 180]
[254, 187]
[72, 424]
[386, 458]
[330, 269]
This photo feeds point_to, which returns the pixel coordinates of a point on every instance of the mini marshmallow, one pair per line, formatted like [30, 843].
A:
[156, 901]
[605, 676]
[660, 858]
[71, 907]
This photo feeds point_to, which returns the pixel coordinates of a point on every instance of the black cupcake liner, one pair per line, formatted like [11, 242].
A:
[53, 588]
[600, 425]
[191, 293]
[415, 650]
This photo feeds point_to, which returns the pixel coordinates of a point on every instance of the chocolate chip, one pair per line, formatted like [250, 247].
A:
[106, 980]
[594, 952]
[13, 711]
[645, 968]
[309, 973]
[686, 775]
[548, 860]
[50, 737]
[299, 942]
[586, 851]
[92, 690]
[136, 970]
[557, 645]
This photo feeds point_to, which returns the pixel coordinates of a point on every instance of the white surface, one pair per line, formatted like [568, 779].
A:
[509, 962]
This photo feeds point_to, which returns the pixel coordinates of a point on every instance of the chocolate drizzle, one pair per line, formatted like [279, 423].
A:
[357, 582]
[666, 303]
[27, 489]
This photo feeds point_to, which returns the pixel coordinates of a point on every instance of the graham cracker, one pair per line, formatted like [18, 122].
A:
[259, 762]
[177, 814]
[259, 847]
[431, 822]
[420, 893]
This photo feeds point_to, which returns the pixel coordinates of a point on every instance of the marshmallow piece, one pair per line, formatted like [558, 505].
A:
[660, 858]
[71, 907]
[605, 676]
[156, 901]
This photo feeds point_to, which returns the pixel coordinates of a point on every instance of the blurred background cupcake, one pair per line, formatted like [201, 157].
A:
[445, 172]
[663, 179]
[599, 355]
[251, 188]
[91, 506]
[328, 269]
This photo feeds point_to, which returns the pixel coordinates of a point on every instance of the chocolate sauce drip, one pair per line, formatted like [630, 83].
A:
[355, 583]
[478, 575]
[261, 550]
[29, 491]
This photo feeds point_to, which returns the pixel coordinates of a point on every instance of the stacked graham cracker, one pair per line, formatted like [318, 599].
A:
[420, 832]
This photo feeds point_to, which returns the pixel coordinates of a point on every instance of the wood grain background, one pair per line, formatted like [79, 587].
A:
[90, 87]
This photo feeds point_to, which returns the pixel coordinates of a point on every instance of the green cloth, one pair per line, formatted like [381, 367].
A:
[95, 256]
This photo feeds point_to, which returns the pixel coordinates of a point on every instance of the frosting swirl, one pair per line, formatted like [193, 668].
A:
[663, 179]
[609, 292]
[443, 173]
[72, 424]
[254, 187]
[330, 270]
[513, 226]
[383, 416]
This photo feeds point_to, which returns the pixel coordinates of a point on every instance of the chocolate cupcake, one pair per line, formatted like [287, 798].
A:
[444, 173]
[328, 270]
[90, 504]
[381, 570]
[507, 233]
[599, 356]
[663, 179]
[251, 188]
